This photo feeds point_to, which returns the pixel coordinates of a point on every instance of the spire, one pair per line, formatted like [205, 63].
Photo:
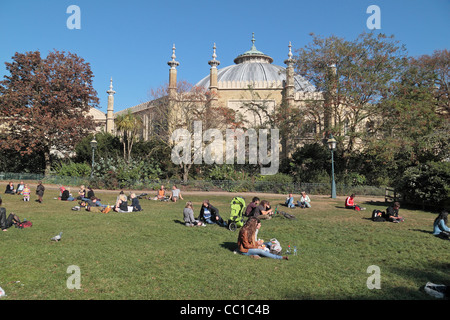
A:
[253, 42]
[290, 61]
[110, 91]
[173, 64]
[214, 63]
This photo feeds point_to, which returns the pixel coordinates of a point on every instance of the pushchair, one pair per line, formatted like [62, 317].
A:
[237, 213]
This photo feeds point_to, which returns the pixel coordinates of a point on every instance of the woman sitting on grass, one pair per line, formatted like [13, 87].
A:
[121, 204]
[188, 215]
[440, 224]
[249, 246]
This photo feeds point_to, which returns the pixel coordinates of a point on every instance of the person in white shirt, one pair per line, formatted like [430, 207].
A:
[305, 201]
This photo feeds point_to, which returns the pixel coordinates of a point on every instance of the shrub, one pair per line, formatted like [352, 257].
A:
[427, 183]
[73, 169]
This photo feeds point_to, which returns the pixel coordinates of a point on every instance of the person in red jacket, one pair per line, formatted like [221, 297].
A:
[350, 203]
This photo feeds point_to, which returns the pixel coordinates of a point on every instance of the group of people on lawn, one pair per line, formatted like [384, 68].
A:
[25, 191]
[257, 210]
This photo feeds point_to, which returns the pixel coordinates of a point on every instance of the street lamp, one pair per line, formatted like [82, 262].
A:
[332, 145]
[93, 146]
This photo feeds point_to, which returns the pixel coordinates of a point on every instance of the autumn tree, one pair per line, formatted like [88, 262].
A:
[414, 122]
[44, 103]
[354, 77]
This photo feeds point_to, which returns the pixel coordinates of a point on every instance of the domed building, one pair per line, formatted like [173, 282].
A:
[253, 80]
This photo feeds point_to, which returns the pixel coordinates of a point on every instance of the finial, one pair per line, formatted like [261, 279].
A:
[173, 63]
[289, 61]
[173, 52]
[110, 91]
[214, 63]
[290, 51]
[253, 41]
[214, 52]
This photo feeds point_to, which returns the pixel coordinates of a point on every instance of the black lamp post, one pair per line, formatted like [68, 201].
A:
[332, 145]
[93, 146]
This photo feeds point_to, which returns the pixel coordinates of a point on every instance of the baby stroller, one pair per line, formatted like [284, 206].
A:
[237, 213]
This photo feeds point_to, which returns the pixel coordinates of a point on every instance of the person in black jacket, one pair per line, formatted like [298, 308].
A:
[210, 214]
[392, 213]
[5, 223]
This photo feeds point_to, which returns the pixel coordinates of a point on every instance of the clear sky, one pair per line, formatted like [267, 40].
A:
[131, 41]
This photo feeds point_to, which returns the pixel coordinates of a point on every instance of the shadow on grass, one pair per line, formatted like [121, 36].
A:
[180, 222]
[232, 246]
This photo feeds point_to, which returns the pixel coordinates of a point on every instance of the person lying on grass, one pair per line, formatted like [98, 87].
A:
[249, 246]
[392, 213]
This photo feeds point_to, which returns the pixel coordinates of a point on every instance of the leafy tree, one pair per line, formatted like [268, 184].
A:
[354, 76]
[413, 125]
[44, 103]
[188, 104]
[128, 125]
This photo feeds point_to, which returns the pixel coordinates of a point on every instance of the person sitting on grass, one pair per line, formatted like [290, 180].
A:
[121, 204]
[210, 214]
[188, 216]
[350, 203]
[305, 201]
[176, 193]
[135, 202]
[161, 195]
[392, 213]
[251, 206]
[10, 188]
[263, 211]
[290, 201]
[249, 246]
[440, 224]
[65, 194]
[20, 187]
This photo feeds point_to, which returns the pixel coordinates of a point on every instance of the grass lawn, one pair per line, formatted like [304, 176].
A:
[152, 255]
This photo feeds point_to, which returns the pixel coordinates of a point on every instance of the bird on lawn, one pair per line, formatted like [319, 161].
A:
[57, 237]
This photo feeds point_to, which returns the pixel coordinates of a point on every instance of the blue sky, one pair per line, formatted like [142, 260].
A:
[131, 41]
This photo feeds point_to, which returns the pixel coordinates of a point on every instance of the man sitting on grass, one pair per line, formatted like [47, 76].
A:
[263, 211]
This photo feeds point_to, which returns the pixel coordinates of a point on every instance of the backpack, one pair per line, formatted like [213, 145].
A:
[378, 216]
[24, 224]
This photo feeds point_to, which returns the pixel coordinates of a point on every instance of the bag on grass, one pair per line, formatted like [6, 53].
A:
[275, 246]
[378, 216]
[24, 224]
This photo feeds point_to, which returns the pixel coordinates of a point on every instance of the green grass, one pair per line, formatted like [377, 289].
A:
[152, 255]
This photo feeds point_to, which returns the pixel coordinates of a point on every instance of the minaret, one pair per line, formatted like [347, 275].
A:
[289, 88]
[172, 115]
[329, 97]
[110, 109]
[213, 86]
[173, 74]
